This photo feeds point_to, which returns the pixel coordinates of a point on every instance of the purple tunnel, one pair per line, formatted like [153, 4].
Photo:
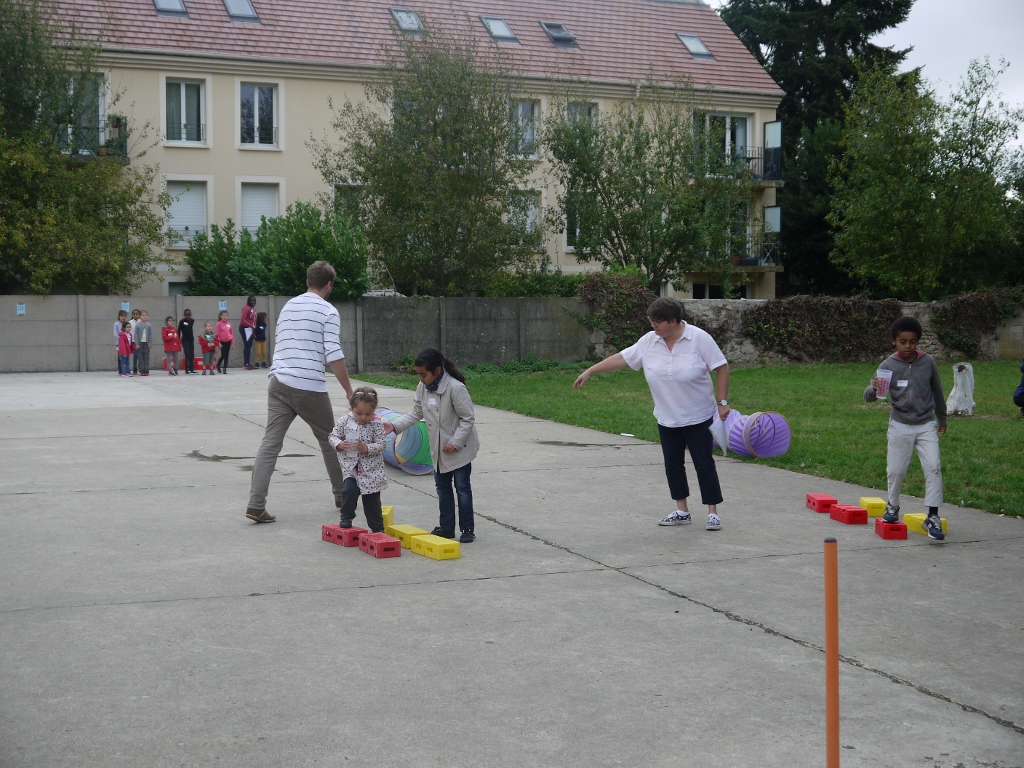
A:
[759, 435]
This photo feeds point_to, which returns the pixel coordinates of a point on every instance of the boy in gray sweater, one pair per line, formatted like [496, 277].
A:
[915, 392]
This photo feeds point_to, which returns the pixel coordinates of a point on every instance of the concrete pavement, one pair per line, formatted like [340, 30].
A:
[145, 621]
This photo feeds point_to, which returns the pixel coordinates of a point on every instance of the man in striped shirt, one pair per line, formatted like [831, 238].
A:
[305, 337]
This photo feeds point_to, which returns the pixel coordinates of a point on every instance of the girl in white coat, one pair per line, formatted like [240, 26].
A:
[442, 401]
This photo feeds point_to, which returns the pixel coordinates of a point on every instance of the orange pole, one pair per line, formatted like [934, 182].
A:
[831, 654]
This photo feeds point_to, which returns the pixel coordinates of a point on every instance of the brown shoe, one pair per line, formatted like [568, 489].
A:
[259, 515]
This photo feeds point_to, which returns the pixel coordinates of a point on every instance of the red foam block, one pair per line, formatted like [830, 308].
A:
[849, 514]
[331, 533]
[820, 502]
[890, 530]
[350, 536]
[380, 545]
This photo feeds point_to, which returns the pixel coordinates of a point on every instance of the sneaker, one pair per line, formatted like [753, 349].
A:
[892, 514]
[443, 533]
[345, 523]
[467, 537]
[204, 373]
[933, 525]
[714, 522]
[677, 518]
[259, 515]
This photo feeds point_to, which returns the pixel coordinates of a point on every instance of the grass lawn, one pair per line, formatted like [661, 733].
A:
[835, 433]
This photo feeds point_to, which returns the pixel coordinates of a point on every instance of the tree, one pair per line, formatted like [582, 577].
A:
[813, 49]
[274, 260]
[649, 185]
[924, 204]
[437, 163]
[69, 219]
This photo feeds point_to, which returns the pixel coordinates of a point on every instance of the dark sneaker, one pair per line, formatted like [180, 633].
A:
[442, 533]
[933, 525]
[259, 515]
[677, 518]
[467, 537]
[345, 523]
[892, 514]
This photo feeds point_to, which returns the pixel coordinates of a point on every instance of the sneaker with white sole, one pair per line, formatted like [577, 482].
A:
[714, 522]
[892, 514]
[677, 518]
[933, 525]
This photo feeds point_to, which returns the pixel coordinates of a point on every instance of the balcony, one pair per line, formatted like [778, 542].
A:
[180, 235]
[765, 163]
[764, 256]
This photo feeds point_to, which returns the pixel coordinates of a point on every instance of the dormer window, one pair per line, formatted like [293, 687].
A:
[408, 21]
[170, 7]
[241, 10]
[695, 46]
[499, 29]
[559, 35]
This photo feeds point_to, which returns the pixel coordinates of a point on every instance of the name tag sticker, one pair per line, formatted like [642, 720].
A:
[432, 401]
[902, 382]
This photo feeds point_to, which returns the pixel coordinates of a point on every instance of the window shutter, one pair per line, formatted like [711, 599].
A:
[187, 215]
[258, 200]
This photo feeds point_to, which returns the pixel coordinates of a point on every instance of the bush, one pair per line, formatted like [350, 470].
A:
[961, 321]
[618, 304]
[274, 260]
[823, 328]
[538, 280]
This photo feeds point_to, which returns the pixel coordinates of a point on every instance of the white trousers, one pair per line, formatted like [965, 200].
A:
[903, 439]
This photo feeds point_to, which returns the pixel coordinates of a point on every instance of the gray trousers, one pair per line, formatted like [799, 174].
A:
[903, 439]
[284, 403]
[142, 356]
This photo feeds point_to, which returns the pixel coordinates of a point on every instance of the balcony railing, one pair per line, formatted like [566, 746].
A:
[186, 132]
[183, 233]
[767, 253]
[765, 163]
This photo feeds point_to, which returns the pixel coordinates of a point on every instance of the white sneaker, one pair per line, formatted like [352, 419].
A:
[714, 522]
[677, 518]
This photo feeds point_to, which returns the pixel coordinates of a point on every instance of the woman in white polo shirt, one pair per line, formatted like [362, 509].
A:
[676, 357]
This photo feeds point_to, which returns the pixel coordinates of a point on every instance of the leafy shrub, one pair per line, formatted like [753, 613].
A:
[823, 328]
[618, 304]
[539, 280]
[961, 321]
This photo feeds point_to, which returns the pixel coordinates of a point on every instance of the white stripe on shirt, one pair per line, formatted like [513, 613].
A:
[306, 336]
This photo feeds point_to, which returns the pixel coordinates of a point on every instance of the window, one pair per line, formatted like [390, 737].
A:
[572, 227]
[725, 133]
[695, 46]
[187, 214]
[499, 29]
[258, 112]
[524, 127]
[559, 35]
[170, 7]
[80, 129]
[258, 201]
[524, 215]
[241, 10]
[578, 111]
[185, 111]
[407, 21]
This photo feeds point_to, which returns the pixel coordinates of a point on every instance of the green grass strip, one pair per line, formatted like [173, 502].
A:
[835, 433]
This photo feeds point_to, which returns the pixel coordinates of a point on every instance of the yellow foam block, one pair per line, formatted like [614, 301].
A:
[405, 534]
[435, 547]
[874, 505]
[389, 517]
[915, 522]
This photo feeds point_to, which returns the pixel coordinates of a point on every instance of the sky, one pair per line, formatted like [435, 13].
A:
[947, 34]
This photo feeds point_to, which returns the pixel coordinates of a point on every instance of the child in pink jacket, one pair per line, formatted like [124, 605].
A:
[224, 336]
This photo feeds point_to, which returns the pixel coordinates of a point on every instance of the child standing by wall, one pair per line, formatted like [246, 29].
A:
[136, 314]
[144, 340]
[260, 357]
[443, 402]
[172, 345]
[359, 440]
[122, 316]
[225, 336]
[125, 347]
[188, 341]
[915, 392]
[208, 343]
[247, 327]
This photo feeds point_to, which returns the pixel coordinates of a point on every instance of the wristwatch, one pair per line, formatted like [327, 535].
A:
[723, 402]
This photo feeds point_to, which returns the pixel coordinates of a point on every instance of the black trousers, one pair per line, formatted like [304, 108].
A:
[697, 439]
[225, 351]
[189, 350]
[371, 505]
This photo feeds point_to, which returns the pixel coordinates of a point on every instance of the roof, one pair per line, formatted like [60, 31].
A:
[618, 40]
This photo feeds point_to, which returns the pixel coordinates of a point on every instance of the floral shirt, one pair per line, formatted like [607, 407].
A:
[366, 468]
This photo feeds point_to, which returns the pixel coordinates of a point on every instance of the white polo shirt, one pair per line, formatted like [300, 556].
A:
[678, 379]
[305, 338]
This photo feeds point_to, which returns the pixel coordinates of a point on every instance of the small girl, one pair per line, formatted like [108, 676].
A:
[260, 358]
[359, 439]
[172, 345]
[442, 401]
[125, 348]
[208, 344]
[225, 336]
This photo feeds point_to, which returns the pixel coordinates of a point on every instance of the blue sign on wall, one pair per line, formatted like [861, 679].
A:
[223, 306]
[21, 309]
[126, 306]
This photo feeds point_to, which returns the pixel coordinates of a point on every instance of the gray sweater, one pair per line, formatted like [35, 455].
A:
[919, 399]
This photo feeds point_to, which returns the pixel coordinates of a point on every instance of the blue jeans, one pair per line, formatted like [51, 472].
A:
[446, 499]
[124, 362]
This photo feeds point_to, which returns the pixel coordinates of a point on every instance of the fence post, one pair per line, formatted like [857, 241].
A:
[359, 335]
[83, 339]
[522, 327]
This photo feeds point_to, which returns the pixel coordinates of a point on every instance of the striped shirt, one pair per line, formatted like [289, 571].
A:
[306, 336]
